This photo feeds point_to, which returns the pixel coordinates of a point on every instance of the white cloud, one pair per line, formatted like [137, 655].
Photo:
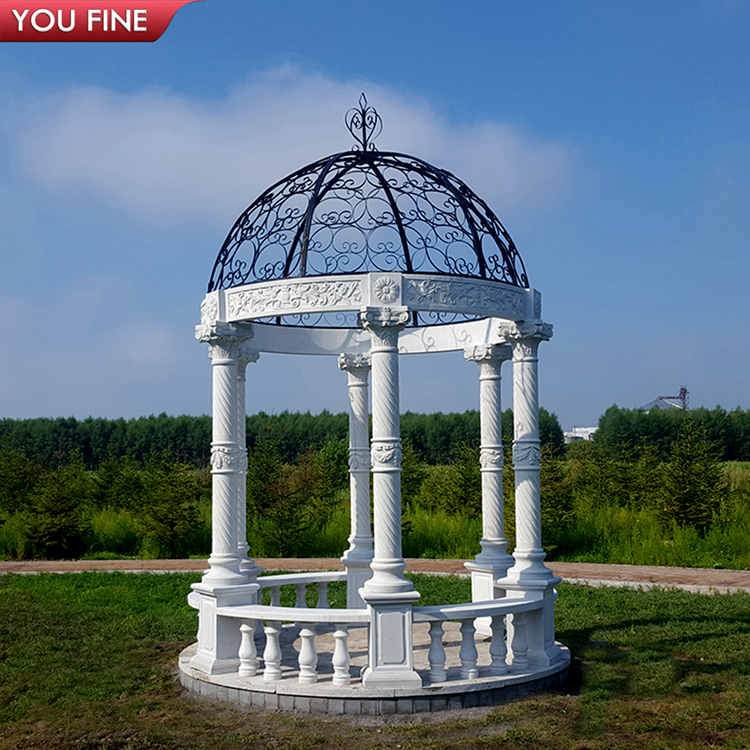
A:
[166, 158]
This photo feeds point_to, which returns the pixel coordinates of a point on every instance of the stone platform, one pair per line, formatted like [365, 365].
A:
[324, 697]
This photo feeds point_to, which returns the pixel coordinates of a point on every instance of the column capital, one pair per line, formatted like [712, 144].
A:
[349, 362]
[488, 352]
[246, 354]
[536, 330]
[384, 324]
[226, 339]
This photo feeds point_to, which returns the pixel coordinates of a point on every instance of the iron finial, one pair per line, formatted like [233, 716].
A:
[364, 124]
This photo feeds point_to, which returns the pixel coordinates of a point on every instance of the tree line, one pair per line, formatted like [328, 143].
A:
[187, 439]
[627, 433]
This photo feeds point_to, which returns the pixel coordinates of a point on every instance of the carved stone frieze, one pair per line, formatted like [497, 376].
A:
[527, 454]
[228, 458]
[468, 296]
[280, 298]
[386, 454]
[209, 309]
[491, 458]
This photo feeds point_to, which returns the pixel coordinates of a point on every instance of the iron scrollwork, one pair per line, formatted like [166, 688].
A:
[363, 211]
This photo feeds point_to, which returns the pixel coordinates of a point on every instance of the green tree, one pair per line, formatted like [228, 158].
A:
[693, 482]
[58, 522]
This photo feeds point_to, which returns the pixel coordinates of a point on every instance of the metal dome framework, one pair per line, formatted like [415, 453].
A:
[364, 211]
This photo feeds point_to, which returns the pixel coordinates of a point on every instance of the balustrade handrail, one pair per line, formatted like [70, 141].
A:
[293, 579]
[488, 608]
[293, 614]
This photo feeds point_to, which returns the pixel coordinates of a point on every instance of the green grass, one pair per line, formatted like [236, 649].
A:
[88, 661]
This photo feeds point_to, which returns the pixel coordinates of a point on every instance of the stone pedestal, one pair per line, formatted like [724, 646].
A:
[219, 637]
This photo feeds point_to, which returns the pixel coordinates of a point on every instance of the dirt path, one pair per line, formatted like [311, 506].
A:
[701, 580]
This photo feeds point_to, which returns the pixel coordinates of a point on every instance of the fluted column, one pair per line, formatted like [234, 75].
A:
[529, 576]
[246, 355]
[529, 554]
[358, 557]
[493, 561]
[490, 358]
[227, 467]
[388, 594]
[388, 563]
[224, 583]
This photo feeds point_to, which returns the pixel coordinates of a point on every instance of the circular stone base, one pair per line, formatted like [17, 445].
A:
[323, 697]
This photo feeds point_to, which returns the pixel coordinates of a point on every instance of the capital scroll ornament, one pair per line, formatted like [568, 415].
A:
[525, 329]
[386, 454]
[354, 361]
[384, 324]
[488, 352]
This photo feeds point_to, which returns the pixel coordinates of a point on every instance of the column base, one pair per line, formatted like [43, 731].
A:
[391, 642]
[540, 624]
[483, 587]
[358, 572]
[224, 570]
[219, 637]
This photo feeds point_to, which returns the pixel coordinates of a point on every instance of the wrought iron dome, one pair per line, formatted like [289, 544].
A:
[361, 211]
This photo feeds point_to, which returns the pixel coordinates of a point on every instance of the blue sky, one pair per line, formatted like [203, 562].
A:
[611, 138]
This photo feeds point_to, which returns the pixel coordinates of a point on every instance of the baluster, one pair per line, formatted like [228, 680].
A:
[276, 596]
[341, 658]
[468, 652]
[323, 596]
[308, 656]
[248, 655]
[498, 647]
[301, 601]
[520, 643]
[272, 652]
[436, 655]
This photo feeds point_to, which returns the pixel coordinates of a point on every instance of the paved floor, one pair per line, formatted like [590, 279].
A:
[701, 580]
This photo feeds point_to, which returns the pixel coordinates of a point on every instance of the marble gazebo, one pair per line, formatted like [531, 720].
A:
[367, 256]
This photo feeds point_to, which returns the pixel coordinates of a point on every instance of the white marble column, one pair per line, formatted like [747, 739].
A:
[493, 561]
[358, 557]
[529, 576]
[224, 583]
[247, 355]
[388, 594]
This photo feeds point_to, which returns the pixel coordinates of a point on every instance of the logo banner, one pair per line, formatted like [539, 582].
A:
[86, 20]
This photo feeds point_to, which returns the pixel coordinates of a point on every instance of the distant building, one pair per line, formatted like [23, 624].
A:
[667, 403]
[579, 433]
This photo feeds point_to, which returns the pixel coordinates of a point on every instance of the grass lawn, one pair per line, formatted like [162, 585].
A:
[87, 661]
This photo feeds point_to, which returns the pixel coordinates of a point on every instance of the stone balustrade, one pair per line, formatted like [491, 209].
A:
[303, 626]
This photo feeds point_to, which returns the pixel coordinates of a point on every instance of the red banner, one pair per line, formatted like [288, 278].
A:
[86, 20]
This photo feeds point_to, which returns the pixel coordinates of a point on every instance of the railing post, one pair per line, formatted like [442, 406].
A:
[498, 647]
[272, 652]
[308, 656]
[520, 644]
[341, 657]
[248, 653]
[468, 651]
[436, 656]
[322, 596]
